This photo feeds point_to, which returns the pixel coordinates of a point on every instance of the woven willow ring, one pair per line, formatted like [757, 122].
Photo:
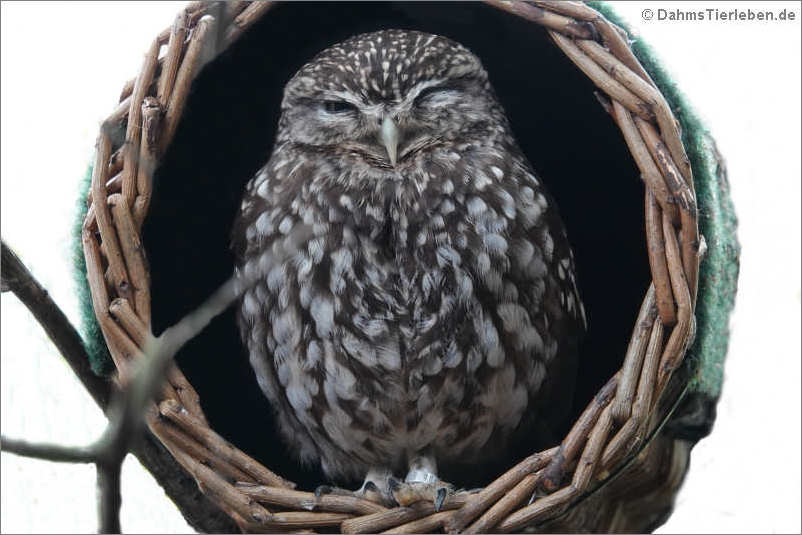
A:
[612, 434]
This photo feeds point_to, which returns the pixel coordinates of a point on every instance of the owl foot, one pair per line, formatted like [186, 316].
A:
[376, 488]
[421, 484]
[409, 492]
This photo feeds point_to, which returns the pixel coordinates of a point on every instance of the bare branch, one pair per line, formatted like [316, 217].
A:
[129, 406]
[17, 278]
[121, 434]
[48, 452]
[109, 497]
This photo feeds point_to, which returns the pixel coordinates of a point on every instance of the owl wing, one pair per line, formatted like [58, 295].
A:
[524, 274]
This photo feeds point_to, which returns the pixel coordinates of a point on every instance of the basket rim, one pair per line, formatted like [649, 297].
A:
[608, 433]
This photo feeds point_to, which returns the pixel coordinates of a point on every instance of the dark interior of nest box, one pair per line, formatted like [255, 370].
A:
[226, 134]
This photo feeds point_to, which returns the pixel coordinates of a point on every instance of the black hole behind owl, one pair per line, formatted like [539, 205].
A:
[226, 134]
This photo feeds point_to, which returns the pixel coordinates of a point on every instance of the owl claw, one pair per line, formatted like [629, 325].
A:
[535, 495]
[321, 490]
[442, 492]
[393, 484]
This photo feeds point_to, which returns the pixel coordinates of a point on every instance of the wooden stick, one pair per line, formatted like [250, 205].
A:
[187, 395]
[615, 89]
[571, 444]
[175, 46]
[685, 197]
[295, 499]
[293, 519]
[495, 490]
[115, 165]
[527, 516]
[223, 492]
[107, 232]
[194, 11]
[134, 256]
[630, 371]
[630, 436]
[216, 444]
[377, 522]
[574, 10]
[509, 501]
[193, 61]
[656, 250]
[614, 38]
[429, 524]
[589, 462]
[132, 133]
[190, 447]
[677, 341]
[251, 14]
[148, 152]
[121, 310]
[544, 17]
[643, 159]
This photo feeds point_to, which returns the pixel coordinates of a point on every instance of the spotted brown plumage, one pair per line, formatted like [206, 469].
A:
[432, 313]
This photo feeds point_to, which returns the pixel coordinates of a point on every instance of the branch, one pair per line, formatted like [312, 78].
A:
[110, 499]
[198, 510]
[48, 452]
[129, 405]
[17, 278]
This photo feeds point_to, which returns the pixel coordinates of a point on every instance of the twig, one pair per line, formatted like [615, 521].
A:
[47, 452]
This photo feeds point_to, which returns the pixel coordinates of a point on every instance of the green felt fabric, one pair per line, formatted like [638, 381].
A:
[717, 221]
[718, 273]
[99, 357]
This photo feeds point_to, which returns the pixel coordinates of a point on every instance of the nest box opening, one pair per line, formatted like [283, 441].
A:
[226, 134]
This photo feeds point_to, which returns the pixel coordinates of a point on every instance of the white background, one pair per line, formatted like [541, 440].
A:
[63, 65]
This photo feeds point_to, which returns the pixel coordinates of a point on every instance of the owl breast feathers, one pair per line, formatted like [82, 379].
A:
[432, 307]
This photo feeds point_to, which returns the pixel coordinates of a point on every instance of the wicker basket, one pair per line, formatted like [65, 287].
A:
[613, 471]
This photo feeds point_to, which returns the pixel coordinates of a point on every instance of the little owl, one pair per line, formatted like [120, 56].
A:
[430, 315]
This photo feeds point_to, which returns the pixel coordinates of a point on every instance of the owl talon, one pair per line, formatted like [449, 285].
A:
[535, 495]
[442, 492]
[322, 489]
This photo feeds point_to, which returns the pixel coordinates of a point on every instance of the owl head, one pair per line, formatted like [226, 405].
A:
[384, 96]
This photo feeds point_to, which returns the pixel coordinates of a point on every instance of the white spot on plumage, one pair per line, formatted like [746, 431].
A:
[322, 312]
[286, 225]
[481, 181]
[495, 244]
[263, 224]
[251, 306]
[476, 206]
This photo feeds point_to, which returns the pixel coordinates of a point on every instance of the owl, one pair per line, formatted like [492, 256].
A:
[430, 316]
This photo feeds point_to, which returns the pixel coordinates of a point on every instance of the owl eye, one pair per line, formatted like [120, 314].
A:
[430, 93]
[338, 106]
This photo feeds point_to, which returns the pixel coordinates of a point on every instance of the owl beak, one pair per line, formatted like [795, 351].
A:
[389, 138]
